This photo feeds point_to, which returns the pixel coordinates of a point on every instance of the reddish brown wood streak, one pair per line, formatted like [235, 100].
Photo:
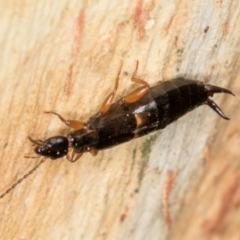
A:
[68, 83]
[225, 29]
[124, 215]
[137, 13]
[176, 42]
[140, 17]
[167, 188]
[226, 203]
[78, 33]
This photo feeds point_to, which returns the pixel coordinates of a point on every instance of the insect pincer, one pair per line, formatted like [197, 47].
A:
[211, 90]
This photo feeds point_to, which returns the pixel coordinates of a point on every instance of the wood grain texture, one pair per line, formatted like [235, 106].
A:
[180, 183]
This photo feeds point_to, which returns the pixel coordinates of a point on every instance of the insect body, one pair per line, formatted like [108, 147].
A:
[142, 111]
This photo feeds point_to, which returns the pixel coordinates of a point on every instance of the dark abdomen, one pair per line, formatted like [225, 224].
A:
[177, 97]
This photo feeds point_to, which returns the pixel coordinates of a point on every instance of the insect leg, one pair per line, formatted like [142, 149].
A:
[139, 92]
[37, 142]
[108, 101]
[215, 107]
[93, 151]
[75, 156]
[70, 123]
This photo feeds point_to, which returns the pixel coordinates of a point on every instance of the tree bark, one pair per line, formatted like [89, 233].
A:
[179, 183]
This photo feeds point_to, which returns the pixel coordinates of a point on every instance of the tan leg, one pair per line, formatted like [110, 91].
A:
[139, 92]
[75, 156]
[93, 151]
[136, 79]
[36, 142]
[70, 123]
[109, 100]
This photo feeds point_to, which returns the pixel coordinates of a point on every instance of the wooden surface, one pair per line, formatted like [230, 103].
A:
[180, 183]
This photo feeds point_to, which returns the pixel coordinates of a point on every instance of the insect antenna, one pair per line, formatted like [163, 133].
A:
[24, 177]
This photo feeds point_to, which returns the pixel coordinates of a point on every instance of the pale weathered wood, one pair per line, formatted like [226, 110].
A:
[180, 183]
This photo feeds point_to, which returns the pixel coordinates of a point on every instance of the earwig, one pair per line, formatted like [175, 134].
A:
[144, 110]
